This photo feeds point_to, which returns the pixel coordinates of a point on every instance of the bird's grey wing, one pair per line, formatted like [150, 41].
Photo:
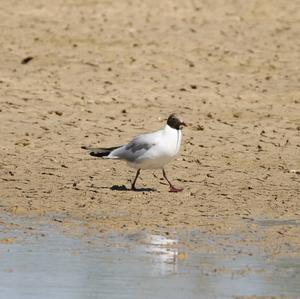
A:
[135, 148]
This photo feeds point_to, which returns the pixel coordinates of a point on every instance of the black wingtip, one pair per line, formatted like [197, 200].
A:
[99, 154]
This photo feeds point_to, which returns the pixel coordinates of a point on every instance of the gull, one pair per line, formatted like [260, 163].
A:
[148, 151]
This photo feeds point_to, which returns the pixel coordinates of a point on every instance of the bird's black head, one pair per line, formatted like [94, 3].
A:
[175, 122]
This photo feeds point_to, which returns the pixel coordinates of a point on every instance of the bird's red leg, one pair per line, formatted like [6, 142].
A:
[172, 188]
[134, 181]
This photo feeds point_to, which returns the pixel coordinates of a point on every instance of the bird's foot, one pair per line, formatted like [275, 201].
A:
[174, 189]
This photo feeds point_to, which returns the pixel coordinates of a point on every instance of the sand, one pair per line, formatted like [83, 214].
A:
[77, 73]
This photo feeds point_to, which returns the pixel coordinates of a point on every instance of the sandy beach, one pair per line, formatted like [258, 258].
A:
[77, 73]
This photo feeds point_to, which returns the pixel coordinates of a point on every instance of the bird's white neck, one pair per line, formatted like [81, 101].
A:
[174, 134]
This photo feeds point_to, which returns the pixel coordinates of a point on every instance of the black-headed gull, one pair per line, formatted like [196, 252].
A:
[148, 151]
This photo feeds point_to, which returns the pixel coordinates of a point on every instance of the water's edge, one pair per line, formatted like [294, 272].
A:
[39, 261]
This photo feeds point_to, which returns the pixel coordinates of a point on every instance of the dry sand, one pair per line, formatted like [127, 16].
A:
[104, 71]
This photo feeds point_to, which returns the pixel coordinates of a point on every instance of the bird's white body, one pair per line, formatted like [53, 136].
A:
[150, 151]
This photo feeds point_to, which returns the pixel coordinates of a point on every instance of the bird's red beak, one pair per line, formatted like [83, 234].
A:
[182, 124]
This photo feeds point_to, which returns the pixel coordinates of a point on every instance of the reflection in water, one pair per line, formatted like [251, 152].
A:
[136, 266]
[163, 252]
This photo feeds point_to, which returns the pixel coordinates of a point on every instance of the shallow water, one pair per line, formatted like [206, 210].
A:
[276, 222]
[48, 264]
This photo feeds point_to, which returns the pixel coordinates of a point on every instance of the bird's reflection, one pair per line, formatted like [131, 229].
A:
[164, 252]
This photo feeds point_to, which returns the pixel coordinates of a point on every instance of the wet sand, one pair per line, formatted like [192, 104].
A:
[97, 73]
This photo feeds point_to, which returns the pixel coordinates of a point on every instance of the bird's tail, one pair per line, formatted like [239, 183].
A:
[99, 152]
